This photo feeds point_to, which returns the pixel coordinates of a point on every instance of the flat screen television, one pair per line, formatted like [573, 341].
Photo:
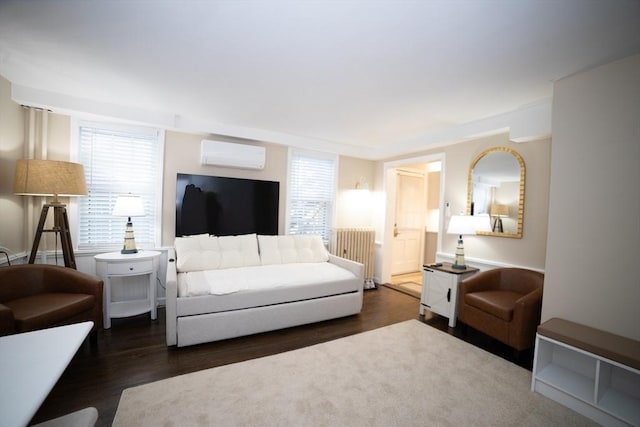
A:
[225, 206]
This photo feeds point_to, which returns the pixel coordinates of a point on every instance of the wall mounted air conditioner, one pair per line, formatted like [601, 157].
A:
[232, 155]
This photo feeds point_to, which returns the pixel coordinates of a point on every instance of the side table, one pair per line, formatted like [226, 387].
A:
[440, 289]
[116, 264]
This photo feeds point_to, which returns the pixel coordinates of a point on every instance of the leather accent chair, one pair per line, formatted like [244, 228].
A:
[504, 303]
[38, 296]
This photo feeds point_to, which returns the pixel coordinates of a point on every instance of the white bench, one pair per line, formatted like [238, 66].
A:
[593, 372]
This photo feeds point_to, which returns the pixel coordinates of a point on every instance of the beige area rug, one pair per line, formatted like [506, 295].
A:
[407, 374]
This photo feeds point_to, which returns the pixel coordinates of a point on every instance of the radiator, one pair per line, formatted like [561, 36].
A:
[356, 244]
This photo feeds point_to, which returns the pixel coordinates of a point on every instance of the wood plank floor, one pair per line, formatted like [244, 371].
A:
[133, 352]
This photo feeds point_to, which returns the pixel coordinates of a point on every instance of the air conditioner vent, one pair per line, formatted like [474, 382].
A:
[232, 155]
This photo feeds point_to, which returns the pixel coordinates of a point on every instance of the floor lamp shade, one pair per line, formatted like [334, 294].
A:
[129, 205]
[49, 178]
[498, 211]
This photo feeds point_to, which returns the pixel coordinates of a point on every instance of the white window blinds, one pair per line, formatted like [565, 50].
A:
[119, 160]
[312, 182]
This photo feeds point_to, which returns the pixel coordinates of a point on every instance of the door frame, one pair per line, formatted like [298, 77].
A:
[390, 199]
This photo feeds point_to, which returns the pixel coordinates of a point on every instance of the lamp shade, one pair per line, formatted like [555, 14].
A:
[128, 205]
[499, 210]
[462, 224]
[49, 178]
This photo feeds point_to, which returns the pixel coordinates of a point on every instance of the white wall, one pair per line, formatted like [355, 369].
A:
[11, 149]
[594, 205]
[354, 207]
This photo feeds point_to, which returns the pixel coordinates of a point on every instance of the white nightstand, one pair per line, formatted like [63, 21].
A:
[115, 264]
[440, 290]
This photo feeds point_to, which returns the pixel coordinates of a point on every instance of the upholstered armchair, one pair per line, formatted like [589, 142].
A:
[37, 296]
[504, 303]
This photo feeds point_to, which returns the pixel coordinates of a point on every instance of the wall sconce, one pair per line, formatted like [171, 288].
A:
[362, 184]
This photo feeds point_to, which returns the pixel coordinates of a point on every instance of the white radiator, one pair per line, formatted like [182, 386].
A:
[356, 244]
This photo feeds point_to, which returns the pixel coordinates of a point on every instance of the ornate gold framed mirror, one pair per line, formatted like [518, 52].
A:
[495, 190]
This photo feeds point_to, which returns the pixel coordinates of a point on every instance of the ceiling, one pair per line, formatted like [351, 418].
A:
[367, 78]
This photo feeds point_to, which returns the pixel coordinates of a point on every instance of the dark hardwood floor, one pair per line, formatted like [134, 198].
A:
[133, 352]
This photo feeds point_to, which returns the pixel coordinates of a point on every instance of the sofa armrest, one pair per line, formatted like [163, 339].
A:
[528, 307]
[171, 298]
[7, 322]
[355, 267]
[526, 318]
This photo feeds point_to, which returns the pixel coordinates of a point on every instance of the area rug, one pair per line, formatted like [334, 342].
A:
[406, 374]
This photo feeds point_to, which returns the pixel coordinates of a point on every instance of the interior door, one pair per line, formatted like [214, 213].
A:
[409, 223]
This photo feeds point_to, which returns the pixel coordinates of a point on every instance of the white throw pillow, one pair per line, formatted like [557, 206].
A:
[239, 251]
[203, 252]
[311, 249]
[291, 249]
[197, 253]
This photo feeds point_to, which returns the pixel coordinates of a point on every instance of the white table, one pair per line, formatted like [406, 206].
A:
[116, 264]
[30, 365]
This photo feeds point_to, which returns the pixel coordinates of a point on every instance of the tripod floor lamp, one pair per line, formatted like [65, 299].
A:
[51, 178]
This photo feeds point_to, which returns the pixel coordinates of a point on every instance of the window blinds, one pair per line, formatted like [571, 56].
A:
[312, 179]
[119, 161]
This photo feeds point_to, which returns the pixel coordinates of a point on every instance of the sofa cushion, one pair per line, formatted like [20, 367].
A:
[204, 252]
[239, 251]
[43, 310]
[291, 249]
[497, 303]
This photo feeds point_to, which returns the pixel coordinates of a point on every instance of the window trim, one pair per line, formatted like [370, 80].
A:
[74, 224]
[292, 151]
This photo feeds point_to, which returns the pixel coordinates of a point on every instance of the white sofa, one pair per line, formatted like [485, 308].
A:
[229, 286]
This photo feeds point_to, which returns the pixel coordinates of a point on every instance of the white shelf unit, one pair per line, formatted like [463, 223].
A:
[601, 389]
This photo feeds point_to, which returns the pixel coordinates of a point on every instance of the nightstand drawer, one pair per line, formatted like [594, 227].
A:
[129, 268]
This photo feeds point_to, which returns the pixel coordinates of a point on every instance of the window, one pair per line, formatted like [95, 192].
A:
[119, 160]
[312, 189]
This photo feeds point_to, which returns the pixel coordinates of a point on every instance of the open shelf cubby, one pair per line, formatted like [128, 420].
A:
[601, 389]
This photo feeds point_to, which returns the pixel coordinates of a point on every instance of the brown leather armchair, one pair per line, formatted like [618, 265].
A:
[504, 303]
[37, 296]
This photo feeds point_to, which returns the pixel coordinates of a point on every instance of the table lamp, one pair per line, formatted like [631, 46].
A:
[129, 205]
[461, 225]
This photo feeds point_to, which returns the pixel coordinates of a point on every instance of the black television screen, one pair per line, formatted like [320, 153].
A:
[225, 206]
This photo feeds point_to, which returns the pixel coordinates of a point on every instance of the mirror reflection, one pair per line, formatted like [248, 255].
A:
[496, 190]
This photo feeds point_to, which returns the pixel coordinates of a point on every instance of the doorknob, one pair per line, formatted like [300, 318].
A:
[395, 230]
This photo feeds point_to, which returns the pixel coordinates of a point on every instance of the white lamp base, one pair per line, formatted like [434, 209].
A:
[459, 263]
[129, 240]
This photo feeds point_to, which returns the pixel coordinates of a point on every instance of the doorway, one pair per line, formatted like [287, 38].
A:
[409, 222]
[412, 216]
